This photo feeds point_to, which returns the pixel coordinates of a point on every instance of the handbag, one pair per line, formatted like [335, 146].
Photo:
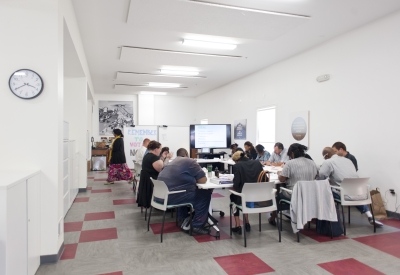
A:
[377, 204]
[324, 227]
[262, 177]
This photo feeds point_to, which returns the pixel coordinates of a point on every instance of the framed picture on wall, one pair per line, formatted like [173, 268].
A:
[240, 128]
[299, 127]
[115, 114]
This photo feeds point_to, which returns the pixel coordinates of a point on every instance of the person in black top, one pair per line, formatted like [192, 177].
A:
[151, 167]
[118, 169]
[246, 170]
[235, 147]
[250, 151]
[340, 149]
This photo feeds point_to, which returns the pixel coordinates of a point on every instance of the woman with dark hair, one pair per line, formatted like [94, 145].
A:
[262, 154]
[118, 169]
[165, 153]
[235, 147]
[151, 167]
[246, 170]
[250, 151]
[298, 168]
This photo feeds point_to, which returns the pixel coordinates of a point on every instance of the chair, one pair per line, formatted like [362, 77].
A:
[161, 192]
[255, 192]
[138, 169]
[320, 188]
[354, 187]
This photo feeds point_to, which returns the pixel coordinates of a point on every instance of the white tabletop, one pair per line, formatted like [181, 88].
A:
[208, 160]
[9, 178]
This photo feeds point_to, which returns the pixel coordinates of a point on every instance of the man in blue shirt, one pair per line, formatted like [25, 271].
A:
[340, 149]
[183, 173]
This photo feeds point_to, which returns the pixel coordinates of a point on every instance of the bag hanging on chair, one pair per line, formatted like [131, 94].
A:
[377, 204]
[263, 177]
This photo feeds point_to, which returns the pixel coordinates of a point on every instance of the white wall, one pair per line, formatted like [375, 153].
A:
[75, 113]
[358, 106]
[32, 129]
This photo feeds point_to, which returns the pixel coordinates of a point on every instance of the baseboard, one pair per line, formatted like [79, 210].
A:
[82, 190]
[393, 214]
[50, 259]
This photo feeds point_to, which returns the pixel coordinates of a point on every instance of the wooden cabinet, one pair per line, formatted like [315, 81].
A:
[19, 222]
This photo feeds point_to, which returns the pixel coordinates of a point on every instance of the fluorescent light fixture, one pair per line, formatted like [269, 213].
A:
[20, 73]
[207, 44]
[164, 75]
[153, 93]
[246, 9]
[164, 85]
[183, 73]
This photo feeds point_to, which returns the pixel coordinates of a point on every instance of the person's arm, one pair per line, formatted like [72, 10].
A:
[325, 171]
[158, 165]
[284, 174]
[354, 160]
[202, 180]
[196, 171]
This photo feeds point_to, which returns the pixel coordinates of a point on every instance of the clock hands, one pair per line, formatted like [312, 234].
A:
[21, 86]
[30, 86]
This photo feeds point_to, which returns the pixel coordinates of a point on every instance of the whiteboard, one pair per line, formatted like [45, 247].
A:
[174, 137]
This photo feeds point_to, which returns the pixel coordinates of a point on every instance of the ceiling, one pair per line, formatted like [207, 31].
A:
[127, 42]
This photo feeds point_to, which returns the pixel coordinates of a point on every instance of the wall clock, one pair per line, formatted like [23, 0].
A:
[26, 84]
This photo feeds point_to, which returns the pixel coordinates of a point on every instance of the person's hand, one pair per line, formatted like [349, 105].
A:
[283, 164]
[268, 163]
[279, 173]
[170, 155]
[164, 154]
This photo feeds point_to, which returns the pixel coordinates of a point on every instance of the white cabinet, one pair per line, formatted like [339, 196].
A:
[19, 222]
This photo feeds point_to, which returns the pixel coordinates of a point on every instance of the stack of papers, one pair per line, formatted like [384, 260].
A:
[223, 179]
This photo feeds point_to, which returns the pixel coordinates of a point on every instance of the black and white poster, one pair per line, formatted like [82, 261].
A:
[115, 114]
[240, 129]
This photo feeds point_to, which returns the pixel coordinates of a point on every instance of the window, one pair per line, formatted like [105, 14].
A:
[266, 128]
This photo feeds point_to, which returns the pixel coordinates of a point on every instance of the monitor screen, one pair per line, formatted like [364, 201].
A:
[210, 136]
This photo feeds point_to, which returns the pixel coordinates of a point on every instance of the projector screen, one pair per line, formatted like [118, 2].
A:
[210, 136]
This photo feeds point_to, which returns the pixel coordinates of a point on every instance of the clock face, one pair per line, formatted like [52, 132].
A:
[26, 84]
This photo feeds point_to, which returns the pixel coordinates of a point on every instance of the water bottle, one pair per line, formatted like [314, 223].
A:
[216, 172]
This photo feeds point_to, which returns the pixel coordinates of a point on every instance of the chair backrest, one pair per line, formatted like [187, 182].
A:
[355, 186]
[160, 191]
[257, 192]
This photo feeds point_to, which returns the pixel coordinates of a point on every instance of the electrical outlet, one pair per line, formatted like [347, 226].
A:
[392, 191]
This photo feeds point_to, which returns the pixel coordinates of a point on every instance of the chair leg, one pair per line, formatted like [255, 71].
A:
[298, 237]
[244, 231]
[172, 212]
[344, 223]
[279, 226]
[373, 217]
[330, 227]
[230, 216]
[145, 215]
[176, 217]
[349, 213]
[309, 225]
[259, 221]
[162, 226]
[148, 222]
[191, 222]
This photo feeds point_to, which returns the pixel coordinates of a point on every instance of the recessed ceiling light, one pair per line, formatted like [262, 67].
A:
[183, 73]
[164, 85]
[246, 9]
[207, 44]
[153, 93]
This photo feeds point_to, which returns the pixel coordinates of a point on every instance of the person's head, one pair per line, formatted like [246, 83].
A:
[296, 150]
[154, 147]
[117, 132]
[238, 156]
[260, 149]
[146, 142]
[339, 148]
[248, 146]
[164, 149]
[234, 147]
[182, 153]
[328, 152]
[278, 148]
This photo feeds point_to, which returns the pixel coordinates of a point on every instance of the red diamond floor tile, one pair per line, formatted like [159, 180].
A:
[69, 251]
[124, 201]
[113, 273]
[72, 226]
[89, 188]
[98, 235]
[209, 238]
[217, 195]
[349, 266]
[312, 233]
[85, 199]
[99, 216]
[169, 227]
[243, 264]
[391, 222]
[389, 242]
[101, 191]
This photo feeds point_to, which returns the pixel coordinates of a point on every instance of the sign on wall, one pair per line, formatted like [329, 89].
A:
[115, 114]
[133, 139]
[240, 128]
[299, 127]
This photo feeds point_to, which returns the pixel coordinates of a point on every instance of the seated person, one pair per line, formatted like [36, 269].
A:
[183, 173]
[336, 168]
[246, 170]
[340, 149]
[298, 168]
[235, 147]
[165, 154]
[262, 154]
[249, 150]
[279, 156]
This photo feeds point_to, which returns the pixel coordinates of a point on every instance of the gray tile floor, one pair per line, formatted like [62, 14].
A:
[137, 251]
